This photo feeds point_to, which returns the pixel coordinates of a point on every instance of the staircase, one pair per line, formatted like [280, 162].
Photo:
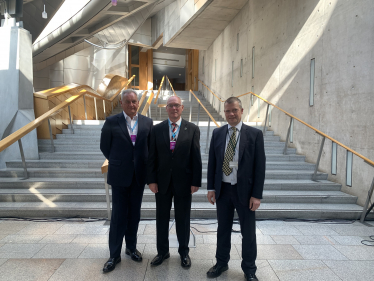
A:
[69, 183]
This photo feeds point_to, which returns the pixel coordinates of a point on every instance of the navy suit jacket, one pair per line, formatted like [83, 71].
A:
[183, 166]
[251, 169]
[125, 159]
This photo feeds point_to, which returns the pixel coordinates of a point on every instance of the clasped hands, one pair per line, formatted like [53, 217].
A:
[154, 188]
[254, 203]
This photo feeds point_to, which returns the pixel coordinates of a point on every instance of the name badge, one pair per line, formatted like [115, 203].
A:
[133, 138]
[172, 145]
[233, 165]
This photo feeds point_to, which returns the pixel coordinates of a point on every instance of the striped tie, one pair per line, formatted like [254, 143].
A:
[173, 131]
[229, 154]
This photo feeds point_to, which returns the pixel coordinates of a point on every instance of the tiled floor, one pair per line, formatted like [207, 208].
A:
[286, 251]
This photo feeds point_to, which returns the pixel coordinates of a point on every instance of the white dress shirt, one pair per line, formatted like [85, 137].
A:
[130, 124]
[233, 177]
[178, 126]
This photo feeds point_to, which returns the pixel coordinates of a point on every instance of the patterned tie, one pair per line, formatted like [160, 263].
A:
[173, 131]
[229, 154]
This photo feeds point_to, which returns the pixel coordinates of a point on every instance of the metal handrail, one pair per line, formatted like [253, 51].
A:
[171, 86]
[159, 88]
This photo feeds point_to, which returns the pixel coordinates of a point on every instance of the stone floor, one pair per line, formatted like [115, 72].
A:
[286, 251]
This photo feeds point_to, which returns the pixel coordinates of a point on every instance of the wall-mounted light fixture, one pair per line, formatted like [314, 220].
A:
[44, 14]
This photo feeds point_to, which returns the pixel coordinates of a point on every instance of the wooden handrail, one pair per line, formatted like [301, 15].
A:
[205, 109]
[367, 160]
[142, 99]
[159, 88]
[119, 91]
[9, 140]
[147, 105]
[311, 127]
[210, 90]
[171, 86]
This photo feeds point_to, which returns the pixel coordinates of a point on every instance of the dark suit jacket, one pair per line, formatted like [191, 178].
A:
[251, 169]
[124, 158]
[183, 166]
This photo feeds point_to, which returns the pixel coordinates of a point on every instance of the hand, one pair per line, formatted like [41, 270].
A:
[211, 197]
[153, 187]
[254, 203]
[194, 189]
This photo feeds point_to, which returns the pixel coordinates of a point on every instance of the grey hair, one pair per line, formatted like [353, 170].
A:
[128, 91]
[231, 100]
[175, 97]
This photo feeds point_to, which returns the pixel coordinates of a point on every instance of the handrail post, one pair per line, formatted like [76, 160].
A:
[266, 119]
[198, 116]
[287, 138]
[51, 136]
[107, 196]
[104, 108]
[314, 177]
[190, 100]
[149, 110]
[112, 107]
[97, 118]
[71, 121]
[23, 160]
[207, 136]
[85, 109]
[364, 210]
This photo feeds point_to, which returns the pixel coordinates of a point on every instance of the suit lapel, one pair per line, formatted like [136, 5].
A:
[122, 124]
[182, 135]
[140, 127]
[165, 132]
[243, 140]
[221, 142]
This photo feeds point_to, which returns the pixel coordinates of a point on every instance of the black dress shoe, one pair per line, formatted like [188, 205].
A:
[135, 255]
[111, 264]
[250, 277]
[185, 261]
[216, 270]
[159, 259]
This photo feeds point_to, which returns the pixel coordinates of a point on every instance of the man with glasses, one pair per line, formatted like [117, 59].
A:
[124, 142]
[174, 170]
[236, 175]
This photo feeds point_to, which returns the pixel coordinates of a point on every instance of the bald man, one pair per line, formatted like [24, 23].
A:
[174, 170]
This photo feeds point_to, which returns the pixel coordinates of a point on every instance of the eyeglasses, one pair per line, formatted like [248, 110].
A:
[174, 105]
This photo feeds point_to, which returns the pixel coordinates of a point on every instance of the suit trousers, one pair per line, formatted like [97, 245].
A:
[126, 205]
[182, 210]
[227, 202]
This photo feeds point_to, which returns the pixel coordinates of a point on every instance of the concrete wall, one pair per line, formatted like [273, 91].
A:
[87, 67]
[173, 17]
[286, 36]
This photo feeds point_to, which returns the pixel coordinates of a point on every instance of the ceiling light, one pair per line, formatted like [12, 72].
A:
[44, 14]
[114, 2]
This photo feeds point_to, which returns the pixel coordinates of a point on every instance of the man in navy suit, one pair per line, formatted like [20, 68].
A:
[124, 142]
[236, 175]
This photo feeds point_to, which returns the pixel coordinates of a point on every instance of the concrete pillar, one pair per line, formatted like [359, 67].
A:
[16, 91]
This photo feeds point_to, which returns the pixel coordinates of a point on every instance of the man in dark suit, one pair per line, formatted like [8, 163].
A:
[174, 170]
[236, 175]
[124, 142]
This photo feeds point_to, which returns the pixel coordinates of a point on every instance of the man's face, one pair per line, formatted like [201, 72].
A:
[233, 113]
[174, 108]
[130, 104]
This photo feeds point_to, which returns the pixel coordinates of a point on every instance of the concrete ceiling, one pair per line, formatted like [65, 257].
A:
[174, 51]
[95, 17]
[201, 31]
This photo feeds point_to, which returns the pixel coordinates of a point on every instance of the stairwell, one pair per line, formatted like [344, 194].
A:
[69, 183]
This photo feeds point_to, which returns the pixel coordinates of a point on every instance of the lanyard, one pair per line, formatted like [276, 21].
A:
[132, 129]
[173, 135]
[230, 140]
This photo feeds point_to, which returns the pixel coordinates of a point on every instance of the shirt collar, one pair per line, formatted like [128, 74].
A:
[238, 126]
[126, 116]
[178, 122]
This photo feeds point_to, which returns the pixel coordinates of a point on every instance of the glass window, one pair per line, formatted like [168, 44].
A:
[135, 71]
[135, 55]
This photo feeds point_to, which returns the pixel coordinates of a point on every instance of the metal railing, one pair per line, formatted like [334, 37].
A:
[350, 152]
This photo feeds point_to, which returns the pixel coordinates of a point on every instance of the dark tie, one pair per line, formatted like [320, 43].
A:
[229, 154]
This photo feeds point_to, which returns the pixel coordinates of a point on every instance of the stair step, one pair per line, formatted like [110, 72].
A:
[198, 210]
